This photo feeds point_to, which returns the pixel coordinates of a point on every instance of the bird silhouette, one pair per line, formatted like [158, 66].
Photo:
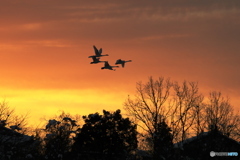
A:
[95, 60]
[107, 66]
[122, 62]
[98, 53]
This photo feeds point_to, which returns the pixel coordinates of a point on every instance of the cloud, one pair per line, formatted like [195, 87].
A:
[114, 20]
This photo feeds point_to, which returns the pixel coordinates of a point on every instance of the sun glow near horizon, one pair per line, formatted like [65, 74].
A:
[46, 103]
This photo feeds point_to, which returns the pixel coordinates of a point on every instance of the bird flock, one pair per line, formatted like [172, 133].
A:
[98, 54]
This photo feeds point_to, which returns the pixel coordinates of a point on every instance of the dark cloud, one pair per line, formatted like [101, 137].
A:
[115, 19]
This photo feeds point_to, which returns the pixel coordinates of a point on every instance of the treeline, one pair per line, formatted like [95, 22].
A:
[161, 113]
[102, 136]
[183, 109]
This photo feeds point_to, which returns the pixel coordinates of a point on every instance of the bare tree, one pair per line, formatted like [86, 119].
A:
[182, 107]
[199, 122]
[220, 115]
[148, 107]
[186, 102]
[8, 118]
[161, 100]
[5, 113]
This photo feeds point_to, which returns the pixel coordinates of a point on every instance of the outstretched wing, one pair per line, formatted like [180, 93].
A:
[106, 64]
[96, 51]
[100, 51]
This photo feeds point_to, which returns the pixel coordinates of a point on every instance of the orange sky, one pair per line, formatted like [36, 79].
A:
[44, 47]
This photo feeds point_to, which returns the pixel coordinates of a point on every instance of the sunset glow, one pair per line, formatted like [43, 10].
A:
[44, 49]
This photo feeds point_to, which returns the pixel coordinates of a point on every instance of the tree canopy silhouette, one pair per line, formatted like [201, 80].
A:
[57, 137]
[107, 136]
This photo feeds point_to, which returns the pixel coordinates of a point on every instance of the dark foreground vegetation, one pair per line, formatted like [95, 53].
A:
[165, 121]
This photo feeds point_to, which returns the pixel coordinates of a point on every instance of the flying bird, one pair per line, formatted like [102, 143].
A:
[107, 66]
[98, 53]
[95, 60]
[122, 62]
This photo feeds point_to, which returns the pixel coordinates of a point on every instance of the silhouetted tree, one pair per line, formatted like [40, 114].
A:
[107, 136]
[59, 137]
[161, 99]
[148, 107]
[14, 144]
[186, 102]
[162, 142]
[9, 119]
[219, 114]
[161, 145]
